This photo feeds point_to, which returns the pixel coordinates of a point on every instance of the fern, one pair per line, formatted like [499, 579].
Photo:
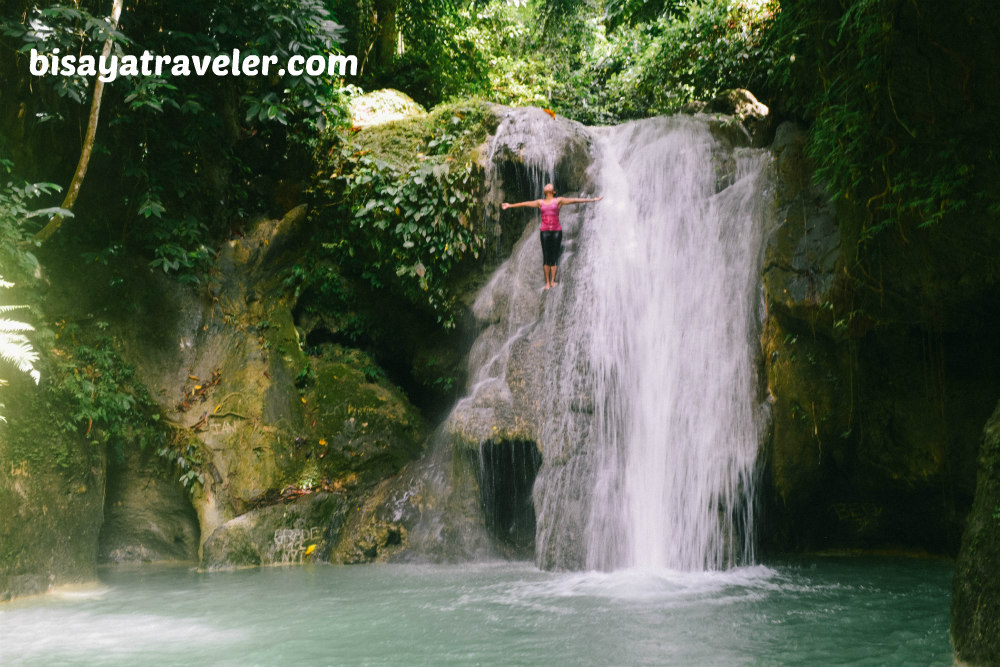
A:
[15, 348]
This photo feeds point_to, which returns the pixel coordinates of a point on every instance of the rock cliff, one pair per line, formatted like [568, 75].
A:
[880, 369]
[975, 607]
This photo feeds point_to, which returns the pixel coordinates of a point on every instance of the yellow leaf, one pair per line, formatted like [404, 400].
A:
[311, 548]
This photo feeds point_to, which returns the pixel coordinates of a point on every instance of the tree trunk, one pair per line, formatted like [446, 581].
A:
[386, 40]
[73, 191]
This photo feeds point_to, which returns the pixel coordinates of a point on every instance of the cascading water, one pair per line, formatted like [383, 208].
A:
[675, 271]
[636, 377]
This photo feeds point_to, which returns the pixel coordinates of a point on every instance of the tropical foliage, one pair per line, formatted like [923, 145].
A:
[15, 348]
[98, 395]
[874, 105]
[408, 225]
[15, 208]
[179, 161]
[183, 164]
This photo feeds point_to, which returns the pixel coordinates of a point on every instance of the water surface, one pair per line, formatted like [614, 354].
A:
[829, 611]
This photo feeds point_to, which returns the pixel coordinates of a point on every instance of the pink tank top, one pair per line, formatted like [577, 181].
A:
[550, 216]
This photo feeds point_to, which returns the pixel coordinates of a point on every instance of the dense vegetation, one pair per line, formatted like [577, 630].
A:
[893, 96]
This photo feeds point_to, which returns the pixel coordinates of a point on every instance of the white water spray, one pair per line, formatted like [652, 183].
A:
[637, 376]
[676, 268]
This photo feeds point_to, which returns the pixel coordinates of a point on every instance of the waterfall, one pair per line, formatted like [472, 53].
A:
[636, 377]
[675, 312]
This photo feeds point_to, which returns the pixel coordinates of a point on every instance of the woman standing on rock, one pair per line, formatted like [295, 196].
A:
[551, 231]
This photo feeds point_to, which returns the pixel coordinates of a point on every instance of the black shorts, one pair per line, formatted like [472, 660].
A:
[551, 248]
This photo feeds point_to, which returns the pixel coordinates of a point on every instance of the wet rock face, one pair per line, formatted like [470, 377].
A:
[873, 396]
[800, 262]
[806, 374]
[471, 497]
[526, 139]
[528, 368]
[505, 472]
[280, 534]
[975, 608]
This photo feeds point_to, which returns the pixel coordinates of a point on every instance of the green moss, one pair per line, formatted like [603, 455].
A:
[975, 610]
[362, 428]
[399, 143]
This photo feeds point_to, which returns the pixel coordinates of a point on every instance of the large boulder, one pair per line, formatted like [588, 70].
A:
[754, 118]
[382, 106]
[278, 534]
[975, 606]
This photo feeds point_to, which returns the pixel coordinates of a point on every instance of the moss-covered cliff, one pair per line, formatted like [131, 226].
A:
[879, 381]
[975, 607]
[251, 418]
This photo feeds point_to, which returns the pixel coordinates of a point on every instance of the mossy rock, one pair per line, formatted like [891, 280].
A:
[430, 511]
[806, 381]
[371, 533]
[361, 428]
[383, 106]
[278, 418]
[975, 607]
[401, 142]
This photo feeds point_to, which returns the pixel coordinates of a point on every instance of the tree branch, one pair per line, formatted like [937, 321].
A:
[73, 191]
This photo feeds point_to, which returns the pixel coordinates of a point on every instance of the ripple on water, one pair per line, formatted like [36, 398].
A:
[861, 612]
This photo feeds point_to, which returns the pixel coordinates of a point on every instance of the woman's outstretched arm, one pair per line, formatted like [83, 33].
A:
[530, 204]
[578, 200]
